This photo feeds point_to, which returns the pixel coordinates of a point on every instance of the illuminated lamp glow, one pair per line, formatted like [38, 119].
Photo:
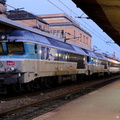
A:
[40, 51]
[114, 61]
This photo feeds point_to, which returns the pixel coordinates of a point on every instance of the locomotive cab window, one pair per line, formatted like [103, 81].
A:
[15, 48]
[1, 49]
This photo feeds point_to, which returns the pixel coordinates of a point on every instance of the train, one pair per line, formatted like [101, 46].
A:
[34, 60]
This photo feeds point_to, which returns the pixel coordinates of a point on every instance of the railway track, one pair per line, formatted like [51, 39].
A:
[44, 102]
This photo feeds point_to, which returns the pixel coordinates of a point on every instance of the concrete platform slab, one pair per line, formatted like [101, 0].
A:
[102, 104]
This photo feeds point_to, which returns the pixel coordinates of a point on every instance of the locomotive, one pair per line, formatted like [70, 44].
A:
[34, 60]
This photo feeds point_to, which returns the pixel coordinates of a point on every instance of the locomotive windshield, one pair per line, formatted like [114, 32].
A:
[16, 47]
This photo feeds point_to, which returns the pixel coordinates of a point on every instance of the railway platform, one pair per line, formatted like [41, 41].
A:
[102, 104]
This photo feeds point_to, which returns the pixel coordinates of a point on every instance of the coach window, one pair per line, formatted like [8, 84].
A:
[52, 54]
[88, 59]
[62, 56]
[39, 51]
[35, 47]
[65, 56]
[43, 53]
[94, 61]
[109, 64]
[56, 54]
[48, 54]
[80, 62]
[105, 64]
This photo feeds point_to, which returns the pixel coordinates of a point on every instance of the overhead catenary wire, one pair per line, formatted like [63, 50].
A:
[56, 6]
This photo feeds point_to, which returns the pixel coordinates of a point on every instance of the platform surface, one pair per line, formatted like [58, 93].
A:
[102, 104]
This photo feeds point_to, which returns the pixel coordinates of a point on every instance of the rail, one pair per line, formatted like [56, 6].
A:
[85, 88]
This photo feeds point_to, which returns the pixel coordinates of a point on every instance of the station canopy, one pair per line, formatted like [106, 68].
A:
[105, 13]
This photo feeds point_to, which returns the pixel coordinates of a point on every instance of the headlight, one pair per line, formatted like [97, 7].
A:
[9, 69]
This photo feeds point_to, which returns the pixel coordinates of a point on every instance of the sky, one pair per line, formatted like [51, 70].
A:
[100, 40]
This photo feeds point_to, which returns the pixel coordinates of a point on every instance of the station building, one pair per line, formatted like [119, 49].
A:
[63, 26]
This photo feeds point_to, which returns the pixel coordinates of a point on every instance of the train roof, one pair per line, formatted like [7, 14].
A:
[50, 39]
[26, 36]
[112, 60]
